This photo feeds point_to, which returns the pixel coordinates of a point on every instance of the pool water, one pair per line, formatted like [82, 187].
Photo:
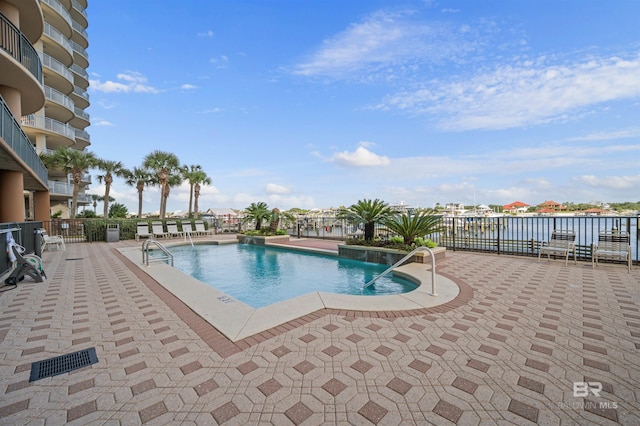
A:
[260, 276]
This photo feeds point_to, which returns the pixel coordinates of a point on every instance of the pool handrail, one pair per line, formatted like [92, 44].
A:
[399, 262]
[145, 252]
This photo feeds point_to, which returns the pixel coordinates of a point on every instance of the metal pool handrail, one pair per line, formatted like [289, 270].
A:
[145, 252]
[399, 262]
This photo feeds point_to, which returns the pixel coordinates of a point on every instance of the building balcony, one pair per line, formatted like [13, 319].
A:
[59, 106]
[57, 45]
[58, 134]
[83, 139]
[79, 35]
[21, 66]
[21, 151]
[80, 120]
[57, 15]
[78, 12]
[81, 76]
[80, 55]
[80, 97]
[58, 74]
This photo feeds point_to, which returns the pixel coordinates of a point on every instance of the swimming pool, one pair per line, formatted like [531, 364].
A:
[260, 276]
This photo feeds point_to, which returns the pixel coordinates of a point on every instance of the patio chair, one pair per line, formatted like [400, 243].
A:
[561, 242]
[187, 229]
[157, 229]
[612, 246]
[142, 231]
[201, 230]
[172, 229]
[49, 241]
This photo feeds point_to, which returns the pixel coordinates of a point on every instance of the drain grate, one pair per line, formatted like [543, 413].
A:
[62, 364]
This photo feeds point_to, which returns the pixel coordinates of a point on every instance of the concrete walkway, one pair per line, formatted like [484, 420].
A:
[522, 338]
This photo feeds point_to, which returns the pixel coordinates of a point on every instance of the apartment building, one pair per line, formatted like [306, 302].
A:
[43, 86]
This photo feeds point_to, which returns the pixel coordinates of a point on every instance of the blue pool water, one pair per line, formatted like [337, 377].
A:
[260, 276]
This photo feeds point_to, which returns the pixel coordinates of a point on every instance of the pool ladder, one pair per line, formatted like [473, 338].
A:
[145, 252]
[404, 259]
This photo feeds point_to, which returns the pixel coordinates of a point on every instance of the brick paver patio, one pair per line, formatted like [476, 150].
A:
[508, 354]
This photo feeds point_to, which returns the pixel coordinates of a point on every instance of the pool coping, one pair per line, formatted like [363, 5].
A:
[237, 321]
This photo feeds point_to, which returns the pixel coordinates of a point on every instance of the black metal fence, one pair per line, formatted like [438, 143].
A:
[514, 235]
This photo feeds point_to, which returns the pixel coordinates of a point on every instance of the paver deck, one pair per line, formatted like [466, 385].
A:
[511, 353]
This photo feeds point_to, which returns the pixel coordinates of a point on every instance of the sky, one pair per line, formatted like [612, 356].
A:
[321, 103]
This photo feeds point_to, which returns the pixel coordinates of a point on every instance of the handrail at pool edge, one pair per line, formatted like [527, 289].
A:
[408, 256]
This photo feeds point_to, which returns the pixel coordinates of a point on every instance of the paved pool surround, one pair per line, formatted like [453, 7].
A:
[237, 320]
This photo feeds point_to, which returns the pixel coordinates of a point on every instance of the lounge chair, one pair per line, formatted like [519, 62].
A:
[612, 246]
[562, 242]
[187, 228]
[49, 241]
[157, 230]
[172, 230]
[142, 231]
[201, 230]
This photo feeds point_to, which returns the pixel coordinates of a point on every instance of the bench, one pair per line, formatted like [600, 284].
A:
[612, 246]
[561, 242]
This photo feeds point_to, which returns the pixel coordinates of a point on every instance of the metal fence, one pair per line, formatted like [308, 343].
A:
[514, 235]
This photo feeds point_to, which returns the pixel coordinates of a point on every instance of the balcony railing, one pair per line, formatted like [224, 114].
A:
[49, 124]
[57, 66]
[55, 5]
[18, 46]
[13, 134]
[58, 97]
[82, 114]
[57, 36]
[81, 134]
[80, 50]
[81, 93]
[80, 71]
[76, 26]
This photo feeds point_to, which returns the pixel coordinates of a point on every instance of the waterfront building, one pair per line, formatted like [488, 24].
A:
[43, 90]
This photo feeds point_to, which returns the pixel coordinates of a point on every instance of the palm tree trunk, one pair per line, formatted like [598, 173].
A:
[190, 199]
[140, 189]
[196, 195]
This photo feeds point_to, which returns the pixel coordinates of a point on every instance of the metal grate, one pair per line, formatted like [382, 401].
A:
[62, 364]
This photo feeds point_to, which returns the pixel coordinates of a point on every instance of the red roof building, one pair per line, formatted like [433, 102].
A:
[516, 207]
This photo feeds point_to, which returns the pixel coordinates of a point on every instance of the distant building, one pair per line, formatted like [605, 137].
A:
[516, 207]
[549, 207]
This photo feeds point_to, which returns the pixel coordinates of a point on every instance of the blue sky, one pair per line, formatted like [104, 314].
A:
[318, 104]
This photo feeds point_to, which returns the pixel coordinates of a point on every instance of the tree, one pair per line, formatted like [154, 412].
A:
[196, 177]
[73, 162]
[410, 226]
[110, 168]
[367, 211]
[275, 217]
[138, 177]
[163, 167]
[118, 210]
[258, 212]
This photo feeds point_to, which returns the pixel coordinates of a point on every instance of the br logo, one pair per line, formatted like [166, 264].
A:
[582, 389]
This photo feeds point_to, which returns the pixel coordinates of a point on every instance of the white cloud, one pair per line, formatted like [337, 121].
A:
[361, 157]
[188, 86]
[101, 122]
[207, 34]
[131, 82]
[384, 45]
[523, 94]
[272, 188]
[609, 182]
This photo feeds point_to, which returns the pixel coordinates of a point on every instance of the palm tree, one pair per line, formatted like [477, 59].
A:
[138, 177]
[366, 211]
[74, 162]
[173, 180]
[196, 176]
[258, 212]
[162, 165]
[276, 216]
[410, 226]
[109, 168]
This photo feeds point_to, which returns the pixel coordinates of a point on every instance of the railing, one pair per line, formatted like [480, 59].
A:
[57, 36]
[58, 97]
[17, 45]
[514, 235]
[404, 259]
[145, 252]
[49, 124]
[55, 5]
[18, 141]
[57, 66]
